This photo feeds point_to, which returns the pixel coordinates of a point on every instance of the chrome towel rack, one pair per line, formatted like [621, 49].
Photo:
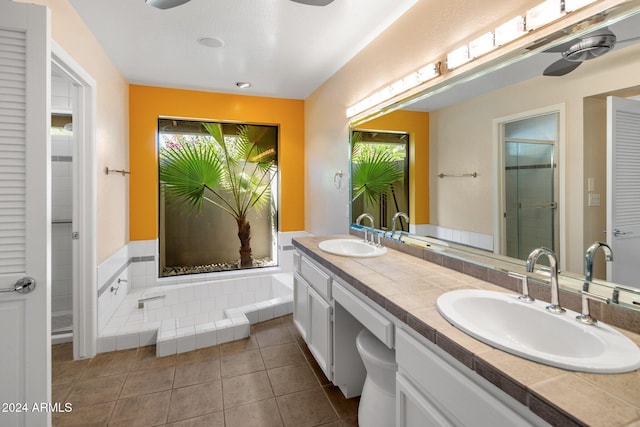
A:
[107, 171]
[457, 175]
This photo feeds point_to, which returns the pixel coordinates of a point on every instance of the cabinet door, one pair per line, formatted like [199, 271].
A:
[320, 335]
[413, 409]
[301, 305]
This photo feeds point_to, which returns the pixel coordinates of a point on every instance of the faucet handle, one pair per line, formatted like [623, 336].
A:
[525, 297]
[585, 317]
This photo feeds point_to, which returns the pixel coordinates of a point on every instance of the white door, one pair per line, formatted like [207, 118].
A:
[623, 189]
[25, 354]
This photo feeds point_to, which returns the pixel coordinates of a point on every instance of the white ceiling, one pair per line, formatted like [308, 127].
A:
[285, 49]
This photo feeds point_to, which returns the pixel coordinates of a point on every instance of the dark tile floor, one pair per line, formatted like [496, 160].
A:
[269, 379]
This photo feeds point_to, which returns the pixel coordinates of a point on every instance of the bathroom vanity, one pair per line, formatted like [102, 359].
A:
[444, 377]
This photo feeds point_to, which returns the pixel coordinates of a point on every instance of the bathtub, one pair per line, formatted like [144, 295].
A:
[183, 317]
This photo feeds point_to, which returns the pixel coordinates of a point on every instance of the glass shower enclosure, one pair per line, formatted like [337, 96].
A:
[530, 184]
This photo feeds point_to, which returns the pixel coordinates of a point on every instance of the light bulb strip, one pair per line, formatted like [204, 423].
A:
[536, 17]
[408, 82]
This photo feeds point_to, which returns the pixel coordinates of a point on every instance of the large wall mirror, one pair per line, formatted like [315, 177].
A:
[515, 159]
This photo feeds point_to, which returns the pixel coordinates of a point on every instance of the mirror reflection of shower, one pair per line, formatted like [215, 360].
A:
[62, 144]
[530, 184]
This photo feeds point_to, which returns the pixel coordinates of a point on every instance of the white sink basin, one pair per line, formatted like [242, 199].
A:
[351, 247]
[529, 331]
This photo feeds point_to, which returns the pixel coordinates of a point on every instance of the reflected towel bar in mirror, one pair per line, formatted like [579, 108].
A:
[457, 175]
[107, 171]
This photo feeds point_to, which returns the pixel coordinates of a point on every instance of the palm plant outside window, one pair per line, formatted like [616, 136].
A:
[217, 196]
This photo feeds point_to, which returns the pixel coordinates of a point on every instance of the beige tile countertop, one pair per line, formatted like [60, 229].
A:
[407, 287]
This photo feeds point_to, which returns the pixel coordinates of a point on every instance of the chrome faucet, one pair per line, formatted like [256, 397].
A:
[395, 218]
[524, 279]
[370, 218]
[585, 316]
[588, 261]
[554, 307]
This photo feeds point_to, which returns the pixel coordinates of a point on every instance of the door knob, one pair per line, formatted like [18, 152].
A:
[22, 286]
[617, 232]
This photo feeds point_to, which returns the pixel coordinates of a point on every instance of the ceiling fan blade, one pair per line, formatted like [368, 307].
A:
[560, 68]
[562, 47]
[165, 4]
[314, 2]
[632, 39]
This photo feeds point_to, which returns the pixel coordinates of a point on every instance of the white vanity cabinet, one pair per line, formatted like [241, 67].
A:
[312, 311]
[432, 388]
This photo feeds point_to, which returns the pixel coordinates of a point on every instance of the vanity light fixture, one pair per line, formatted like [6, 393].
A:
[540, 15]
[458, 57]
[408, 82]
[509, 31]
[543, 14]
[571, 5]
[483, 44]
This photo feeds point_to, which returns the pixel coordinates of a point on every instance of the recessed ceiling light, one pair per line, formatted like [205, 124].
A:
[212, 42]
[243, 85]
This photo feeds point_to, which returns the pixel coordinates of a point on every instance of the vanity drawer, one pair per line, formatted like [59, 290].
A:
[462, 401]
[318, 279]
[375, 322]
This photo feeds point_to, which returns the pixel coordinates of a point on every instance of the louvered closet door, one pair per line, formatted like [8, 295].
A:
[623, 189]
[25, 371]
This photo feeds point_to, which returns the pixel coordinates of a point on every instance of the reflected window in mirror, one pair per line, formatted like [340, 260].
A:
[380, 176]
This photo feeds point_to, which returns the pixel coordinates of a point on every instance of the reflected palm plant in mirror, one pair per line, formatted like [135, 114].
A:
[378, 173]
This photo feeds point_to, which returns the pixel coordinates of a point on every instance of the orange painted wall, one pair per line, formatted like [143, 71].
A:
[147, 103]
[416, 124]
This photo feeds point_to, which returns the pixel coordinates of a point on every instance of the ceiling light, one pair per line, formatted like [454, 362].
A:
[165, 4]
[543, 14]
[212, 42]
[314, 2]
[243, 85]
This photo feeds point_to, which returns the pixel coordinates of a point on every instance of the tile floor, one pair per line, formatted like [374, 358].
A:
[268, 379]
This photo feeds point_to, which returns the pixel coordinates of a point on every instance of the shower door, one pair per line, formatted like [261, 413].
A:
[530, 185]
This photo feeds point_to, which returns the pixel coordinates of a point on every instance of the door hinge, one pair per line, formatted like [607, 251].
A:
[75, 235]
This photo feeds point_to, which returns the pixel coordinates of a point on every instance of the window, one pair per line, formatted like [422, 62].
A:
[217, 196]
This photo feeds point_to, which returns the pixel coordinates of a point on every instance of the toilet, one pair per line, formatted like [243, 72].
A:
[377, 406]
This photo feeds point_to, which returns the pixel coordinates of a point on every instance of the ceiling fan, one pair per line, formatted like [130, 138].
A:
[576, 51]
[168, 4]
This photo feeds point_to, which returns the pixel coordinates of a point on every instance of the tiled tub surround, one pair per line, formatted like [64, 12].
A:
[144, 269]
[134, 268]
[407, 286]
[183, 317]
[463, 237]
